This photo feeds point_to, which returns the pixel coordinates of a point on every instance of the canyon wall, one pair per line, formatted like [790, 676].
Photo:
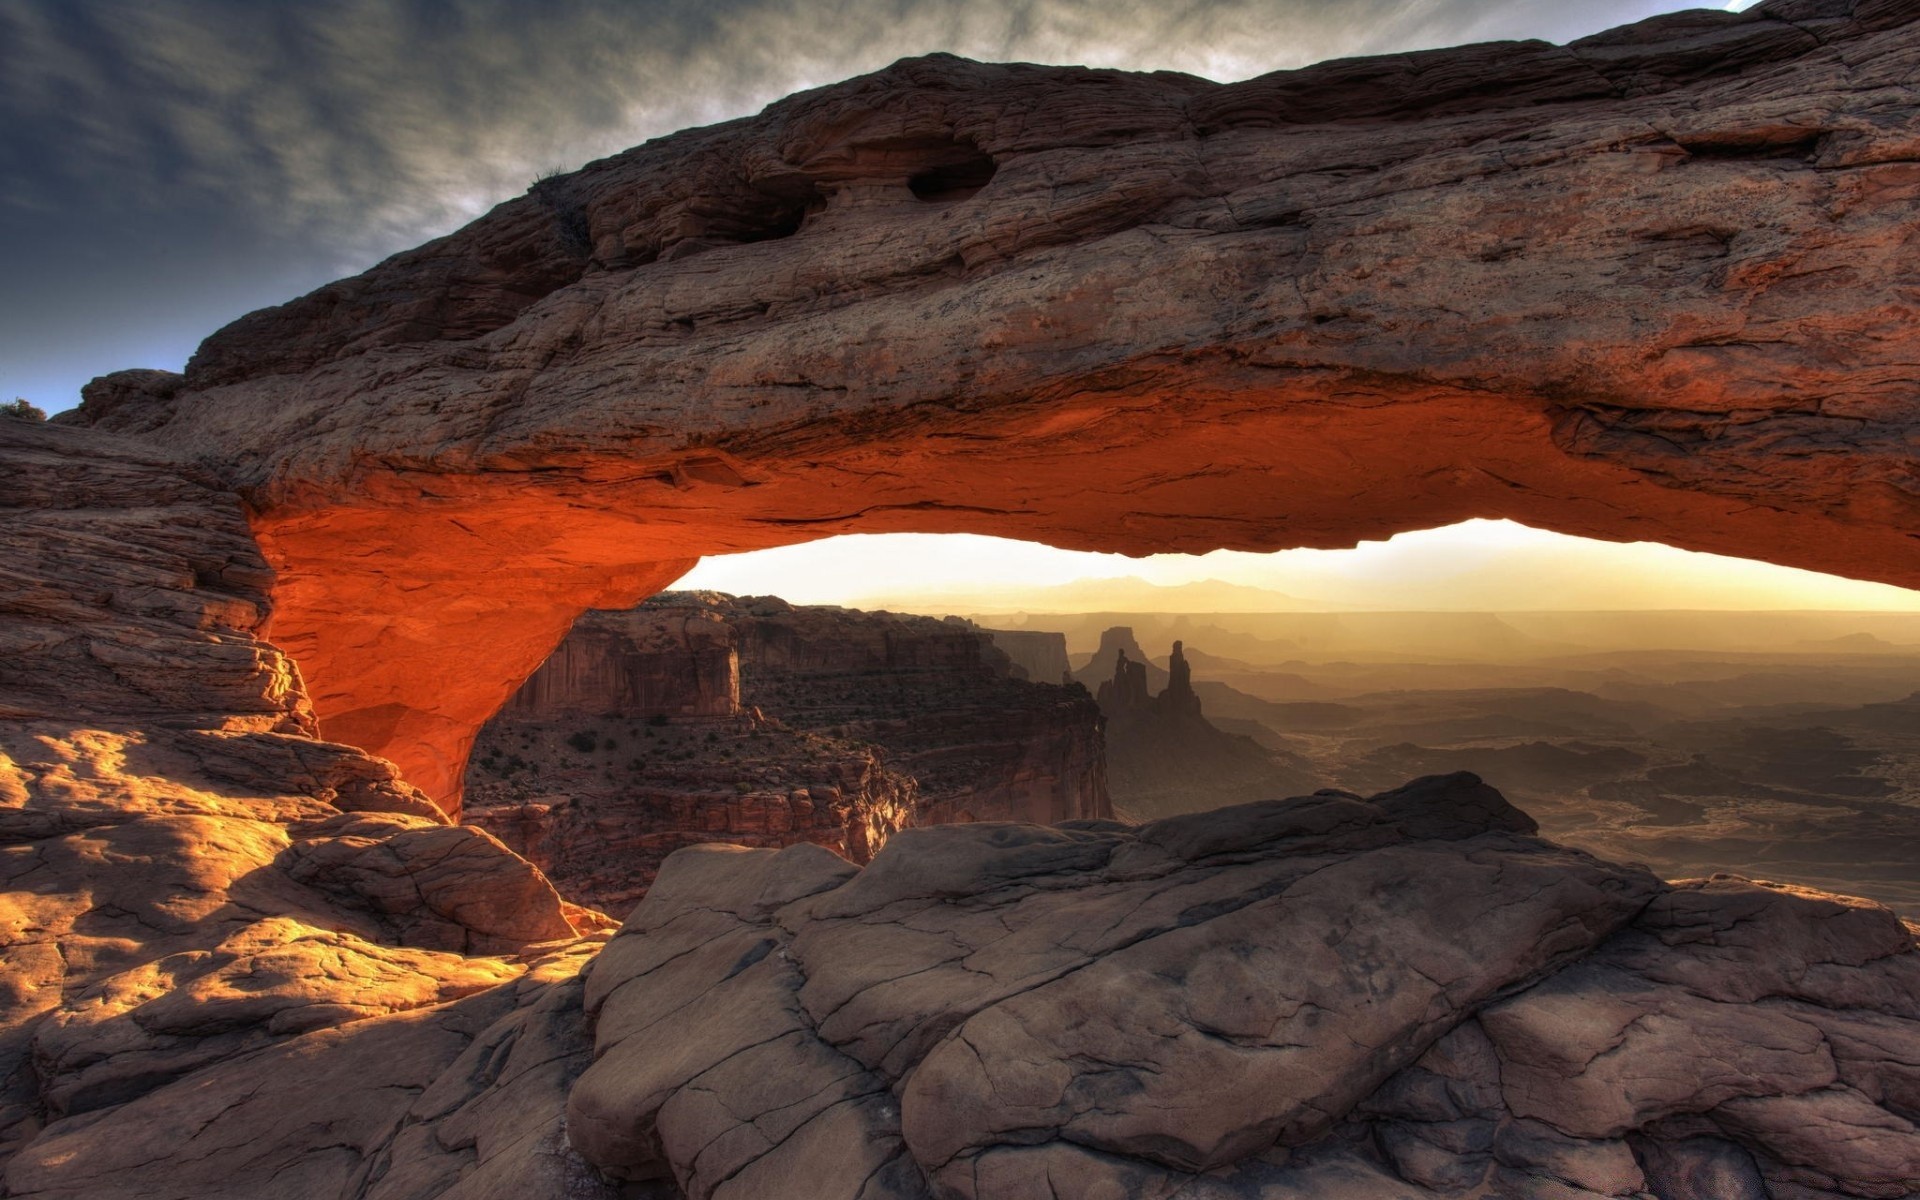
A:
[698, 717]
[1657, 284]
[641, 666]
[1041, 655]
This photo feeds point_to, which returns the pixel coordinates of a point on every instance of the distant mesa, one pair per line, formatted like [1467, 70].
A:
[699, 717]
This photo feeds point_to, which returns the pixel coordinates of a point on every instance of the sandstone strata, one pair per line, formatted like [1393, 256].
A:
[1657, 284]
[190, 874]
[700, 717]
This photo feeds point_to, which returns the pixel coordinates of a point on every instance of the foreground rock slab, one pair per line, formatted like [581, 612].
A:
[1409, 996]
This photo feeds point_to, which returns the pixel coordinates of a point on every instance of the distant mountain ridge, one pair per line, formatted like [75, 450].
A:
[1128, 593]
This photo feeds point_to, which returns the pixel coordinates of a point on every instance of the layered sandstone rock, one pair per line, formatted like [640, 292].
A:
[1039, 655]
[700, 717]
[1166, 313]
[598, 803]
[190, 874]
[1653, 285]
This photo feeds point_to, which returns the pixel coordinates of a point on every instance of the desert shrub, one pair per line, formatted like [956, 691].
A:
[22, 410]
[583, 741]
[657, 719]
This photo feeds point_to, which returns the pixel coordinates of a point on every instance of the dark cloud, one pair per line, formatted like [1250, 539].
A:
[165, 167]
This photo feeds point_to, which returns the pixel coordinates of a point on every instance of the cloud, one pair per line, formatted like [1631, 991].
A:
[370, 125]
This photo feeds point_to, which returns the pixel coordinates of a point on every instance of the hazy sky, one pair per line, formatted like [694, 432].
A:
[167, 165]
[1473, 566]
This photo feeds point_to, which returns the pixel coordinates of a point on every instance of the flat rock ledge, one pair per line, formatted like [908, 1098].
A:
[1393, 998]
[1407, 996]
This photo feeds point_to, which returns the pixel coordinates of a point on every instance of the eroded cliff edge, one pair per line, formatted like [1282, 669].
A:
[698, 716]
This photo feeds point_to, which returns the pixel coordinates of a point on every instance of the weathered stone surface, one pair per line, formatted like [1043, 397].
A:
[599, 381]
[188, 873]
[1788, 1020]
[1295, 999]
[599, 822]
[1018, 984]
[460, 1101]
[1656, 284]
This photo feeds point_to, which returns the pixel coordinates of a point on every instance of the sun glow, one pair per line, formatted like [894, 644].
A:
[1476, 565]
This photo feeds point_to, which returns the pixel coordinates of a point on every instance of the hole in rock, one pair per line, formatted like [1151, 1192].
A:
[1693, 712]
[955, 180]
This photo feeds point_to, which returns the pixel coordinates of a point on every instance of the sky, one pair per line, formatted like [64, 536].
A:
[167, 167]
[1475, 566]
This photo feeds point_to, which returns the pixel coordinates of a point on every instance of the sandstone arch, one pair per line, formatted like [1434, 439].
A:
[1658, 284]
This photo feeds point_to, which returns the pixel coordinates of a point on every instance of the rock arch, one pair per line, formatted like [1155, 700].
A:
[1658, 284]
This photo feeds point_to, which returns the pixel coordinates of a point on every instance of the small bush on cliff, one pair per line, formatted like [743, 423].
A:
[582, 741]
[22, 410]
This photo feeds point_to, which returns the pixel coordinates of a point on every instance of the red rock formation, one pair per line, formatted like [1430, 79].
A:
[1658, 284]
[637, 664]
[1299, 309]
[1409, 995]
[189, 874]
[625, 746]
[598, 803]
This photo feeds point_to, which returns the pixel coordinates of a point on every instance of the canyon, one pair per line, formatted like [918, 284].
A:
[1655, 284]
[698, 717]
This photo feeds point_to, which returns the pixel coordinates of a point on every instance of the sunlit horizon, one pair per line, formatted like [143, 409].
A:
[1474, 566]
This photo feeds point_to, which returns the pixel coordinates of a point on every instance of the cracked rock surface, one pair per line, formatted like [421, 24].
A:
[1409, 996]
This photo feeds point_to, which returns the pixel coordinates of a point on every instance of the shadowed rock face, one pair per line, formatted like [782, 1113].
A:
[699, 717]
[1656, 284]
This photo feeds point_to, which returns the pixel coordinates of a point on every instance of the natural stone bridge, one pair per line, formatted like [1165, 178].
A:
[1660, 284]
[1657, 284]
